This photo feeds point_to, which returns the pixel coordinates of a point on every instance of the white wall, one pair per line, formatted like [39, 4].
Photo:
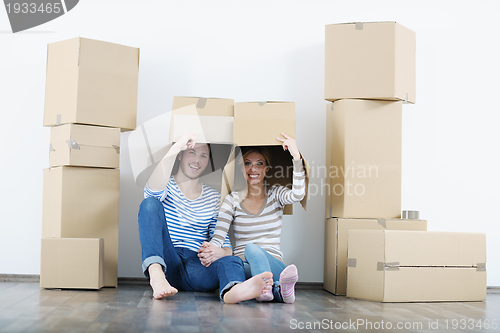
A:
[269, 50]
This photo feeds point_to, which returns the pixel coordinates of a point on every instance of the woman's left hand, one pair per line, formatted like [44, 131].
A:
[290, 145]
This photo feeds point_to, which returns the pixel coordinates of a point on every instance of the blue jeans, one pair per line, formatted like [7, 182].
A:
[259, 261]
[182, 266]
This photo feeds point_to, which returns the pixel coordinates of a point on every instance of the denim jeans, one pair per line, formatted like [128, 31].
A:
[182, 266]
[259, 261]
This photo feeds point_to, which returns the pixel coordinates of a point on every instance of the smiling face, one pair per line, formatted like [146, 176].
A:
[193, 161]
[254, 168]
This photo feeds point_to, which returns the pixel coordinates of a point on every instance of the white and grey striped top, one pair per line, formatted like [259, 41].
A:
[263, 228]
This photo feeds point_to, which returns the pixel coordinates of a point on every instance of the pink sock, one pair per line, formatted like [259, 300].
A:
[266, 297]
[288, 278]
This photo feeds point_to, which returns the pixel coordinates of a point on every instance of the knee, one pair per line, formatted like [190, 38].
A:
[252, 249]
[150, 205]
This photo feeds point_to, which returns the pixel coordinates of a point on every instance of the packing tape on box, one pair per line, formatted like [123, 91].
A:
[58, 119]
[388, 266]
[72, 144]
[351, 262]
[117, 149]
[359, 25]
[382, 222]
[202, 102]
[481, 267]
[51, 149]
[262, 103]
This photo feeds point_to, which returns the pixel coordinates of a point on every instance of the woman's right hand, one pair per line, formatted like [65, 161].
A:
[186, 140]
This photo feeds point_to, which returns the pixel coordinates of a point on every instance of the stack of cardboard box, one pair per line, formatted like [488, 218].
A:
[91, 95]
[369, 73]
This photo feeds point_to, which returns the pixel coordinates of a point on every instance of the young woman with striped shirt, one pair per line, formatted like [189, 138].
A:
[256, 215]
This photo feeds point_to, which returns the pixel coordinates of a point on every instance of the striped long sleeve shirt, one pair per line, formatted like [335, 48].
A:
[264, 228]
[190, 222]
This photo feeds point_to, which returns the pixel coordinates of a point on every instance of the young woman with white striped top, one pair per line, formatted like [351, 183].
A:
[256, 215]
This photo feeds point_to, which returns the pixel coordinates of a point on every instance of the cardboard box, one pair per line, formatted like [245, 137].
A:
[72, 263]
[220, 107]
[336, 231]
[91, 82]
[83, 145]
[363, 167]
[83, 203]
[370, 61]
[416, 266]
[260, 123]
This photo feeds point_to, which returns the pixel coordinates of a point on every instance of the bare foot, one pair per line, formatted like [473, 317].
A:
[251, 288]
[160, 285]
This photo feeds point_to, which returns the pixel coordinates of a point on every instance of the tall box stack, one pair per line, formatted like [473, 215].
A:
[91, 95]
[370, 252]
[369, 73]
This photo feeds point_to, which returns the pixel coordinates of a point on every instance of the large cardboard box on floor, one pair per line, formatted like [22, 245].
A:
[260, 124]
[373, 60]
[72, 263]
[84, 145]
[336, 231]
[363, 152]
[83, 203]
[91, 82]
[218, 131]
[416, 266]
